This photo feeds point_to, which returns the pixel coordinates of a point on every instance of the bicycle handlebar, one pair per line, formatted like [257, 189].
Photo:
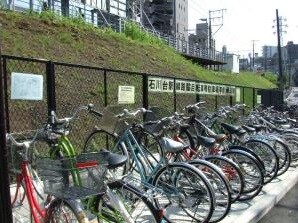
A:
[27, 143]
[196, 105]
[89, 108]
[133, 113]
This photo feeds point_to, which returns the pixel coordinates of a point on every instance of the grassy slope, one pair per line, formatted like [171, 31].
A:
[31, 36]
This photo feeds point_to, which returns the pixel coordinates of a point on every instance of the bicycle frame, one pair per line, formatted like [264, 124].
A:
[129, 142]
[37, 211]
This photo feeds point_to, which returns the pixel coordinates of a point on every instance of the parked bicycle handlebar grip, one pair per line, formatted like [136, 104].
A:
[133, 113]
[89, 108]
[93, 111]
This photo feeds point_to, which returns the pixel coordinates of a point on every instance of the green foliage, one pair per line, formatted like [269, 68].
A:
[271, 77]
[133, 31]
[51, 36]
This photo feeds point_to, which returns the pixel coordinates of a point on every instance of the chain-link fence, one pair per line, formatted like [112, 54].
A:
[68, 86]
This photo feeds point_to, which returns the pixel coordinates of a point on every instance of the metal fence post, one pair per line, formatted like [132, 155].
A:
[253, 97]
[5, 205]
[216, 102]
[231, 100]
[50, 75]
[105, 88]
[243, 99]
[175, 96]
[145, 91]
[4, 70]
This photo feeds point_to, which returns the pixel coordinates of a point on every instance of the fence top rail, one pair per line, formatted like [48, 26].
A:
[117, 70]
[28, 59]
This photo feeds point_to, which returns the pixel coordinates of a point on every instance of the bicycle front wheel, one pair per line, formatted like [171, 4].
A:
[188, 195]
[124, 203]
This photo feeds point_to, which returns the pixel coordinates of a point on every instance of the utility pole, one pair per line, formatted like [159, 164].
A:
[253, 53]
[215, 20]
[279, 31]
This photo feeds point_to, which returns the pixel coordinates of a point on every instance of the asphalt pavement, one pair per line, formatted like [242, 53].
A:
[285, 211]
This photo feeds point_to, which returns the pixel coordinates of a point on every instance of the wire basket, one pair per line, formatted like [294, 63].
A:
[113, 124]
[76, 177]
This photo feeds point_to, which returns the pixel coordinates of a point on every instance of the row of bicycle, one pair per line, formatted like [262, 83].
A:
[141, 167]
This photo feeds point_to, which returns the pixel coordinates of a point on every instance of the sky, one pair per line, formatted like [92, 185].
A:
[245, 21]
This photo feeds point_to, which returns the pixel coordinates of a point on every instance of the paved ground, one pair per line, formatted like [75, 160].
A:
[286, 210]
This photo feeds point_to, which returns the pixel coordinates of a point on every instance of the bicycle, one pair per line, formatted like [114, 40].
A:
[176, 180]
[122, 201]
[64, 207]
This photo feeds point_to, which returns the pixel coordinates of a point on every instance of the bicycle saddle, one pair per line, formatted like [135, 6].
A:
[206, 141]
[114, 160]
[248, 129]
[172, 146]
[218, 137]
[233, 129]
[258, 127]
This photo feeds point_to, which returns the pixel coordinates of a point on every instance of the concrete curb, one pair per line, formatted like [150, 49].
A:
[272, 193]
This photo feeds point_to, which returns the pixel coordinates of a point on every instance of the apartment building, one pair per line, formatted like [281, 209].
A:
[167, 16]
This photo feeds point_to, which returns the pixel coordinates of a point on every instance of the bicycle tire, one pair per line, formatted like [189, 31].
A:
[284, 155]
[141, 209]
[101, 139]
[268, 156]
[75, 210]
[172, 179]
[221, 187]
[232, 172]
[251, 170]
[223, 197]
[292, 141]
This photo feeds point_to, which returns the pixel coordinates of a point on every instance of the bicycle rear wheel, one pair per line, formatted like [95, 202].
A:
[268, 155]
[221, 187]
[232, 172]
[251, 170]
[189, 196]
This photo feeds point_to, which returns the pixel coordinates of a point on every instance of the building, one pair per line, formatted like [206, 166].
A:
[200, 38]
[269, 51]
[244, 64]
[232, 63]
[167, 16]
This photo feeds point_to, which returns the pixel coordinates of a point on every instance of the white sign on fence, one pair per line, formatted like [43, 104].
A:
[238, 93]
[157, 84]
[259, 99]
[26, 86]
[126, 94]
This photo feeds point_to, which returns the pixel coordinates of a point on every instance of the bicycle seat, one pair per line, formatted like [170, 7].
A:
[114, 160]
[206, 141]
[248, 129]
[258, 127]
[172, 146]
[218, 137]
[232, 129]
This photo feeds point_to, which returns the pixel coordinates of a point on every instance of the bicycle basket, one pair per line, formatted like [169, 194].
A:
[73, 177]
[111, 123]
